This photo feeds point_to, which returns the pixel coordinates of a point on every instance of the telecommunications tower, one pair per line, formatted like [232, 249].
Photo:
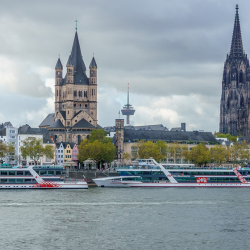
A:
[128, 110]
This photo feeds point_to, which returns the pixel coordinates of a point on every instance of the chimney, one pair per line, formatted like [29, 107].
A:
[183, 127]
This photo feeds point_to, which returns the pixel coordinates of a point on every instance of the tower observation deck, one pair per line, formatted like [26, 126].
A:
[127, 109]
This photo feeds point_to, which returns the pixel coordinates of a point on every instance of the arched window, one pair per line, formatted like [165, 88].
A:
[75, 93]
[241, 77]
[242, 103]
[57, 92]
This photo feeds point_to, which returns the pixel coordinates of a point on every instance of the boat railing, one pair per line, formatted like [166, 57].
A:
[71, 180]
[175, 167]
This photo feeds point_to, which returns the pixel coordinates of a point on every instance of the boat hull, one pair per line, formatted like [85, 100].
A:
[58, 185]
[103, 183]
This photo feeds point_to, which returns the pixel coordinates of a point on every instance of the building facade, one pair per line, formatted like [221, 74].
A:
[235, 105]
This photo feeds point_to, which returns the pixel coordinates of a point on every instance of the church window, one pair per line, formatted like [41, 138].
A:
[57, 92]
[86, 105]
[241, 77]
[80, 105]
[75, 93]
[91, 113]
[92, 91]
[80, 93]
[68, 112]
[74, 105]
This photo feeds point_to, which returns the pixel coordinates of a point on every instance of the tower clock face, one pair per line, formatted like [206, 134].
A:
[58, 73]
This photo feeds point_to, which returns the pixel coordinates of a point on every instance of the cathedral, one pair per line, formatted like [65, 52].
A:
[75, 99]
[235, 102]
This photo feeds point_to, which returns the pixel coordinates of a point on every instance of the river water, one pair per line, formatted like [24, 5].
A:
[139, 218]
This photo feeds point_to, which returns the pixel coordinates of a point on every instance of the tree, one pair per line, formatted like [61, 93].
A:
[126, 156]
[228, 136]
[97, 147]
[10, 154]
[34, 149]
[149, 149]
[219, 154]
[98, 134]
[3, 150]
[244, 153]
[199, 154]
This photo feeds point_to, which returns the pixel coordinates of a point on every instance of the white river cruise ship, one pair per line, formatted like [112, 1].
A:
[29, 178]
[149, 173]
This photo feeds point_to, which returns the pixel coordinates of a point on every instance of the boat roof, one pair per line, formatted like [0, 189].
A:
[117, 177]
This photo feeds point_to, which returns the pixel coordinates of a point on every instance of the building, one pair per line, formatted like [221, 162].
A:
[234, 105]
[126, 140]
[28, 161]
[75, 99]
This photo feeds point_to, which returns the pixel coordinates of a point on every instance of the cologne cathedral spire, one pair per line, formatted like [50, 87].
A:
[234, 111]
[236, 46]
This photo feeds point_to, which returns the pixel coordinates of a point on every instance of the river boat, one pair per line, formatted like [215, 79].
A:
[149, 173]
[28, 178]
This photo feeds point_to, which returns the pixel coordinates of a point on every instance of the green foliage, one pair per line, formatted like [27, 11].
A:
[199, 154]
[126, 156]
[219, 154]
[228, 136]
[34, 149]
[7, 150]
[149, 149]
[3, 150]
[97, 134]
[98, 147]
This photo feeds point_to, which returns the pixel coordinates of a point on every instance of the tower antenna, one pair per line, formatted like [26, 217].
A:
[128, 110]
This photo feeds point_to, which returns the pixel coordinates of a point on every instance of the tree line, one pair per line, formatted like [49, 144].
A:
[199, 154]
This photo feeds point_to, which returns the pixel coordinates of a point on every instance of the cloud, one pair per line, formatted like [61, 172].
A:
[16, 78]
[172, 53]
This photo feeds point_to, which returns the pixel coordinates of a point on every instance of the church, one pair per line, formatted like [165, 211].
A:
[235, 103]
[75, 99]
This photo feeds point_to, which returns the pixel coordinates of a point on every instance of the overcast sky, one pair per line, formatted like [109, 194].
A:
[170, 52]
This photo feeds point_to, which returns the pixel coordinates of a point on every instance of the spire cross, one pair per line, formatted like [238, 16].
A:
[76, 23]
[59, 55]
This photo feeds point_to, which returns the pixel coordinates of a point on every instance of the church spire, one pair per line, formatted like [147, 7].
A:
[76, 56]
[236, 46]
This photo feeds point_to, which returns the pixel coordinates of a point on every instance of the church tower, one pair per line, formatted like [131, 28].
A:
[234, 105]
[75, 98]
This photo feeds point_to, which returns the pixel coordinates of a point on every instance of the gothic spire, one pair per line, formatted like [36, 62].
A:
[76, 56]
[236, 46]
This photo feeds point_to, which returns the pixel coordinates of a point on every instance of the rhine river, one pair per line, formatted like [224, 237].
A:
[142, 218]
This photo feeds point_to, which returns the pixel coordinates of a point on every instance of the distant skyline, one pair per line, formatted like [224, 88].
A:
[171, 53]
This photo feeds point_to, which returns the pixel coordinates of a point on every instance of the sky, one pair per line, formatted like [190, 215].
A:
[171, 53]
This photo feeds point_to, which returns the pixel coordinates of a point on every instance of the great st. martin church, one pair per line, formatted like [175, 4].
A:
[75, 99]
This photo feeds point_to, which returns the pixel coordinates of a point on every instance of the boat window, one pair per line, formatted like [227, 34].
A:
[27, 180]
[19, 180]
[3, 180]
[12, 180]
[19, 172]
[58, 172]
[27, 173]
[43, 172]
[12, 173]
[50, 172]
[3, 172]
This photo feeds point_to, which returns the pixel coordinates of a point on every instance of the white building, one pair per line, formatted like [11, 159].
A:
[60, 153]
[28, 161]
